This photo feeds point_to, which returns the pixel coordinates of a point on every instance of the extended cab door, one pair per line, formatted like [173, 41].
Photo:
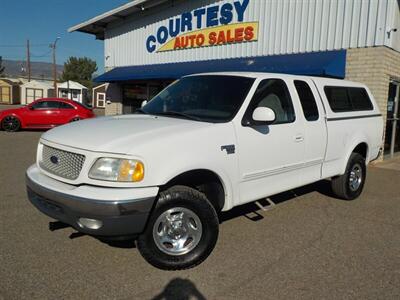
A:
[315, 131]
[270, 156]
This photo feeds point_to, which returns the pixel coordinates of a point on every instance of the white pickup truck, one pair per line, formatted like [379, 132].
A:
[205, 144]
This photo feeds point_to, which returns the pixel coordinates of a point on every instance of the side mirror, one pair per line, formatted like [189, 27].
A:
[263, 116]
[31, 107]
[144, 102]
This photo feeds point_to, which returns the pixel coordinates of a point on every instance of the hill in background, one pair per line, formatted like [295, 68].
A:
[40, 70]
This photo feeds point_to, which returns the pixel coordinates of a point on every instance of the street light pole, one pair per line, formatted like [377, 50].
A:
[28, 60]
[53, 46]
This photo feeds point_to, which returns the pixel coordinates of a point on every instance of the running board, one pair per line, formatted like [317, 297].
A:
[271, 204]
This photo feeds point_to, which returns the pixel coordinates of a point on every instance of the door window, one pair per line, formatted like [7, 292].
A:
[45, 105]
[307, 100]
[64, 105]
[274, 94]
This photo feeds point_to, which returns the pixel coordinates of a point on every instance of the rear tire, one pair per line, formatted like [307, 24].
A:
[182, 230]
[350, 185]
[10, 124]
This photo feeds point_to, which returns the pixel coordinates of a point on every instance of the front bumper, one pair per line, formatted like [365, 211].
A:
[121, 211]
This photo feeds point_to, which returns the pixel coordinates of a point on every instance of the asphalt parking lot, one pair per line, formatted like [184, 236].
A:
[311, 246]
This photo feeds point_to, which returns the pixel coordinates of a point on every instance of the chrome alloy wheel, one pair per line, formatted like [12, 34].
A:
[355, 177]
[177, 231]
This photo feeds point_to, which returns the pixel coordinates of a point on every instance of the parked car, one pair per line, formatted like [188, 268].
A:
[205, 144]
[43, 114]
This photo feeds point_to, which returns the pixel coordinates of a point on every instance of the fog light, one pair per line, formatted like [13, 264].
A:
[90, 223]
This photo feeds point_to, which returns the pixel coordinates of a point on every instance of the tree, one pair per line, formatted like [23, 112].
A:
[79, 69]
[1, 68]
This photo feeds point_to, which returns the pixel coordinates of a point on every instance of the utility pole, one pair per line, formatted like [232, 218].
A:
[53, 46]
[28, 60]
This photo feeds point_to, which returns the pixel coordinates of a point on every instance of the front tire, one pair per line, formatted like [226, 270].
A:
[182, 230]
[76, 119]
[10, 124]
[350, 185]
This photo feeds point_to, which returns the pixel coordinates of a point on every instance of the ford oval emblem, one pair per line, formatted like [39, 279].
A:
[54, 159]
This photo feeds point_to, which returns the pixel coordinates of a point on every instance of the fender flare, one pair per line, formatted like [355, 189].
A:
[354, 144]
[223, 177]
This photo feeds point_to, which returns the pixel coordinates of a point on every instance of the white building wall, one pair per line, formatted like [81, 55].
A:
[37, 85]
[285, 27]
[394, 22]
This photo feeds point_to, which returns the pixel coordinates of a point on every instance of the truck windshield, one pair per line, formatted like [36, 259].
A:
[207, 98]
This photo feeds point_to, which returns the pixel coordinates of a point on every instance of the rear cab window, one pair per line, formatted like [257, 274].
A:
[307, 100]
[348, 99]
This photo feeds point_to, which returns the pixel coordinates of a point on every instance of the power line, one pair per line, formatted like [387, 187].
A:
[23, 46]
[42, 55]
[11, 46]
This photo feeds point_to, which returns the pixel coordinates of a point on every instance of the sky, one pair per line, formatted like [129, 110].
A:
[41, 21]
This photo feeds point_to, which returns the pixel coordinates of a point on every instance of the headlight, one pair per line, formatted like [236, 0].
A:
[117, 169]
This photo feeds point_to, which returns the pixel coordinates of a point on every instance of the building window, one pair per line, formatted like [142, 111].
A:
[33, 94]
[75, 94]
[101, 97]
[63, 93]
[307, 100]
[5, 94]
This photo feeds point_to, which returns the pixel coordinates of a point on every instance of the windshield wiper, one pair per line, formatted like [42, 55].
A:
[179, 114]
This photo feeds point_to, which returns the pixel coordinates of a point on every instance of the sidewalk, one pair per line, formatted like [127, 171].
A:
[391, 164]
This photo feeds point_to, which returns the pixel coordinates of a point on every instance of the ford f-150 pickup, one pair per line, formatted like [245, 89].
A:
[203, 145]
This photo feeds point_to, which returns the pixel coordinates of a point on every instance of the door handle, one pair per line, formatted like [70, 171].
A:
[299, 138]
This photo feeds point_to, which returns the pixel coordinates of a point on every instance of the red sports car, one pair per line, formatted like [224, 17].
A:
[43, 114]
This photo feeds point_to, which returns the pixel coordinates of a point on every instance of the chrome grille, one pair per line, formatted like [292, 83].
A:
[61, 163]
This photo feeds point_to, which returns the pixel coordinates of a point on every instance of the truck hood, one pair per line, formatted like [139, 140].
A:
[120, 134]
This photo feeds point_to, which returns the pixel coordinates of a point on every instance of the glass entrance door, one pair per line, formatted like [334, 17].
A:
[392, 135]
[133, 96]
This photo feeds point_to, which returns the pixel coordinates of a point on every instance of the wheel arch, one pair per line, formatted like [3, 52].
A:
[21, 121]
[207, 181]
[72, 119]
[361, 147]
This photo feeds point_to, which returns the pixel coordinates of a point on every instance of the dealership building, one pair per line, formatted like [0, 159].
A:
[150, 43]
